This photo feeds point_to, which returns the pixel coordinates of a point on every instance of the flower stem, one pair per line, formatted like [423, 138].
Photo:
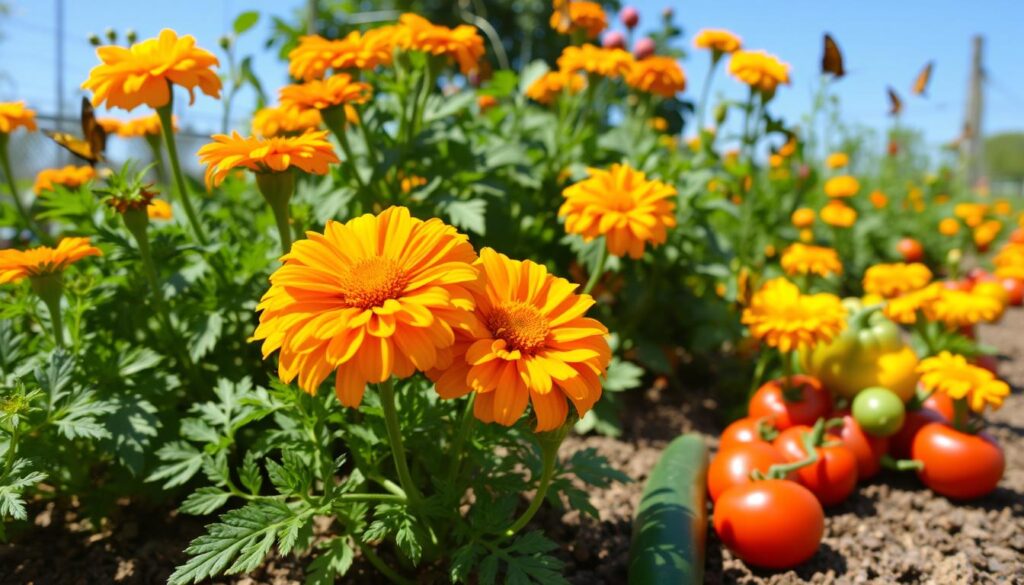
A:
[549, 444]
[706, 90]
[167, 129]
[598, 270]
[387, 401]
[381, 566]
[277, 189]
[960, 415]
[460, 438]
[334, 118]
[22, 211]
[50, 287]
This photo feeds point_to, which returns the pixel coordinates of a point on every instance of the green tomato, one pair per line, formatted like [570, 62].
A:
[878, 411]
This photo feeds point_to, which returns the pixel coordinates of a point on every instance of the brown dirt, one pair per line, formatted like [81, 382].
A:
[892, 530]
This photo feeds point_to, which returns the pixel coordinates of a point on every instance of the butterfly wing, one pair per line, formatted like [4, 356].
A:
[895, 103]
[832, 59]
[921, 83]
[92, 131]
[74, 145]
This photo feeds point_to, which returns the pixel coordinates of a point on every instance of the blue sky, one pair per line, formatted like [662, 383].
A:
[884, 43]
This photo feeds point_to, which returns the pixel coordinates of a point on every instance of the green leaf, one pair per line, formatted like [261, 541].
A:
[594, 469]
[395, 520]
[250, 474]
[204, 501]
[622, 375]
[183, 459]
[331, 564]
[18, 479]
[132, 426]
[204, 336]
[469, 215]
[463, 561]
[245, 21]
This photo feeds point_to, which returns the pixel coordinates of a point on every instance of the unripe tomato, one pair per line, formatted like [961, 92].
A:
[900, 443]
[910, 249]
[1014, 290]
[744, 430]
[958, 465]
[773, 524]
[812, 402]
[832, 478]
[867, 450]
[878, 411]
[732, 467]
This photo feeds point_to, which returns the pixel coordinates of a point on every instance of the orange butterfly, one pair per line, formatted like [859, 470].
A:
[921, 83]
[94, 139]
[832, 59]
[895, 103]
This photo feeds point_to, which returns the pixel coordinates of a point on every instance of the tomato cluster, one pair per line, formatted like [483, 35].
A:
[796, 453]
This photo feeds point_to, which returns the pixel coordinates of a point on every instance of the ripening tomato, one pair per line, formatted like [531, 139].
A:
[773, 524]
[958, 465]
[832, 478]
[742, 431]
[803, 403]
[733, 466]
[1014, 290]
[910, 249]
[900, 443]
[867, 450]
[941, 403]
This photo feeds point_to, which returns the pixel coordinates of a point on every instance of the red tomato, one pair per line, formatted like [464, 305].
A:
[1017, 236]
[1014, 289]
[979, 274]
[832, 478]
[732, 467]
[742, 431]
[901, 442]
[958, 465]
[773, 524]
[910, 249]
[812, 402]
[867, 450]
[965, 285]
[941, 403]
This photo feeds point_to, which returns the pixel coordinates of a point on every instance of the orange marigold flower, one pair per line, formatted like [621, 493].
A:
[531, 344]
[802, 218]
[314, 54]
[375, 297]
[588, 17]
[717, 40]
[336, 90]
[775, 161]
[892, 280]
[283, 121]
[311, 153]
[159, 209]
[783, 318]
[407, 184]
[135, 127]
[957, 308]
[838, 214]
[622, 205]
[70, 176]
[658, 75]
[463, 43]
[904, 308]
[842, 186]
[144, 72]
[952, 375]
[549, 86]
[759, 69]
[597, 60]
[17, 264]
[949, 227]
[837, 160]
[972, 213]
[1002, 207]
[986, 233]
[14, 115]
[1010, 261]
[878, 199]
[801, 259]
[486, 102]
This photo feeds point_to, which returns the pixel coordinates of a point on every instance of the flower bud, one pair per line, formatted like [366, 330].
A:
[630, 17]
[95, 40]
[111, 35]
[614, 40]
[644, 48]
[130, 36]
[224, 42]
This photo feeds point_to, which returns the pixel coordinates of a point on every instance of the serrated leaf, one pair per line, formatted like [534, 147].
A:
[204, 501]
[463, 561]
[204, 336]
[332, 564]
[389, 520]
[622, 375]
[594, 469]
[184, 461]
[132, 426]
[469, 215]
[250, 474]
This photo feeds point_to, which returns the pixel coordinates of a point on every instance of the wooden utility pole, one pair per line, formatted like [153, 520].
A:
[311, 15]
[974, 139]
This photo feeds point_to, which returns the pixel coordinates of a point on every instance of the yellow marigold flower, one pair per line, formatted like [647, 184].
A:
[775, 161]
[622, 205]
[284, 120]
[314, 54]
[986, 233]
[789, 148]
[904, 308]
[597, 60]
[837, 160]
[144, 72]
[412, 182]
[879, 200]
[159, 209]
[531, 344]
[801, 259]
[1010, 261]
[949, 227]
[972, 213]
[549, 86]
[659, 124]
[803, 218]
[952, 375]
[462, 44]
[14, 115]
[781, 317]
[658, 75]
[842, 186]
[769, 250]
[588, 17]
[311, 153]
[1002, 207]
[338, 89]
[70, 176]
[892, 280]
[486, 102]
[136, 127]
[375, 297]
[759, 69]
[17, 264]
[957, 308]
[806, 236]
[941, 199]
[717, 40]
[838, 214]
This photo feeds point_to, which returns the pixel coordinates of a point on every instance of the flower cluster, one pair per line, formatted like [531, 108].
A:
[782, 317]
[952, 375]
[802, 259]
[71, 177]
[578, 15]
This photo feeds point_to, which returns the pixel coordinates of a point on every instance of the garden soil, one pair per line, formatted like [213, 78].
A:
[893, 530]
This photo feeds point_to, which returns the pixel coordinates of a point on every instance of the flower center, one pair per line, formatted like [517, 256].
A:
[370, 282]
[520, 325]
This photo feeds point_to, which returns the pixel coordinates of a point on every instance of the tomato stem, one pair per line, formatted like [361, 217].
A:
[888, 462]
[811, 441]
